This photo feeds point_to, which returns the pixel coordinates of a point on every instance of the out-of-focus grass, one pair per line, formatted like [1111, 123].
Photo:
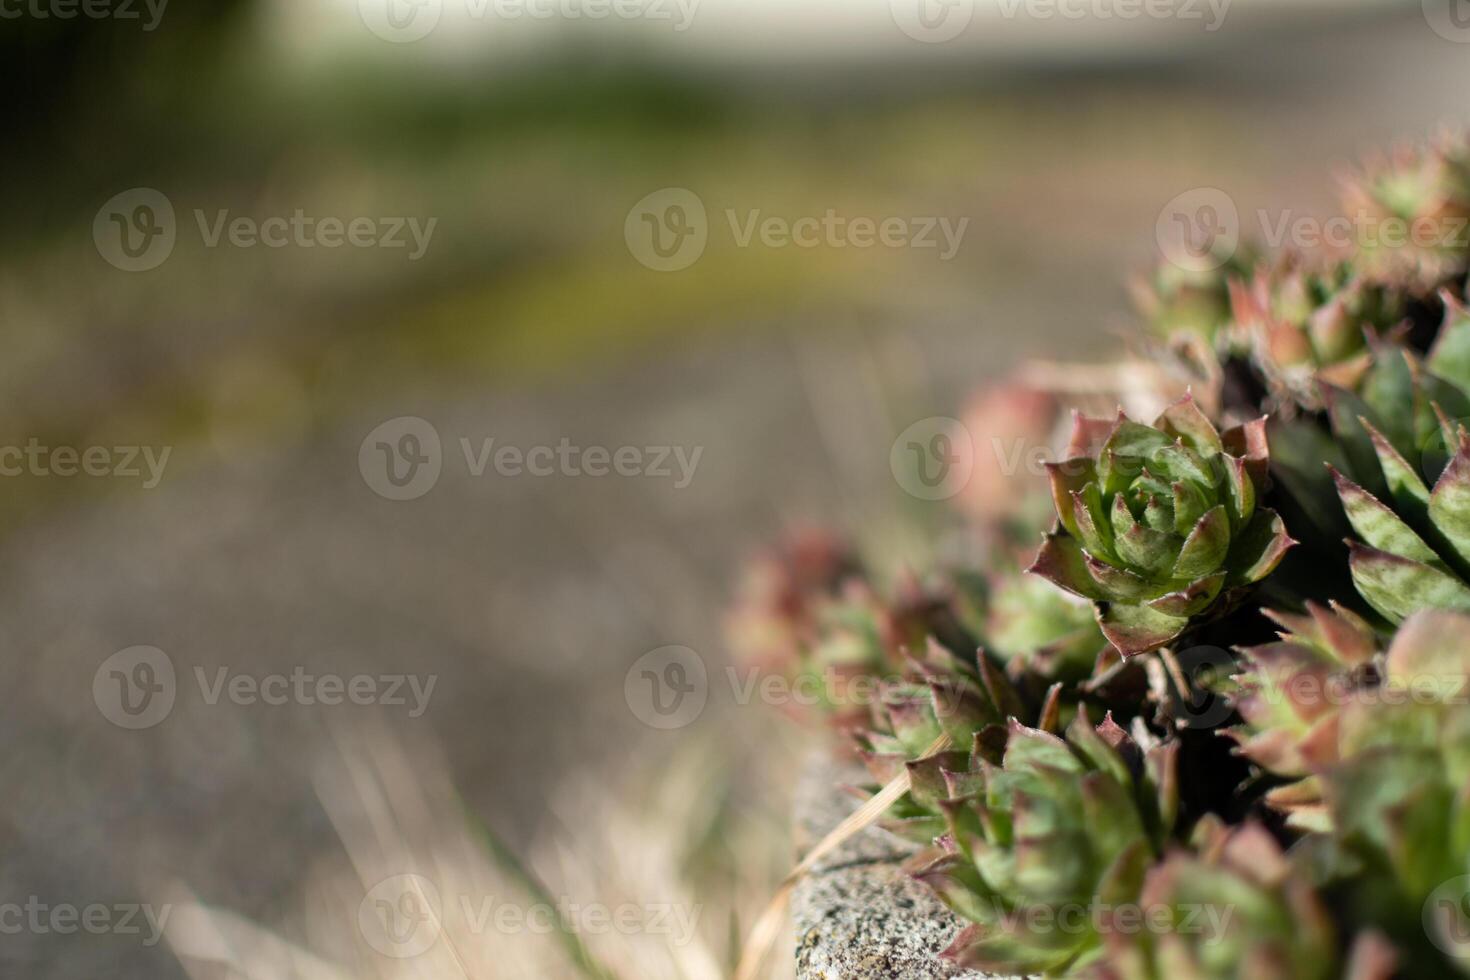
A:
[531, 178]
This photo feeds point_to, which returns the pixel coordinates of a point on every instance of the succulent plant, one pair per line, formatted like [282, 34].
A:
[1303, 325]
[1413, 212]
[1290, 696]
[1399, 799]
[970, 703]
[1176, 299]
[1232, 907]
[782, 594]
[1032, 626]
[1402, 435]
[1159, 525]
[1039, 843]
[1327, 835]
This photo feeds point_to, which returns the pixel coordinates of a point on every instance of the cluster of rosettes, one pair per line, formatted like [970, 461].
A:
[1301, 813]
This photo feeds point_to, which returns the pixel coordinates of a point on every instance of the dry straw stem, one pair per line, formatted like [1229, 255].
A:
[768, 926]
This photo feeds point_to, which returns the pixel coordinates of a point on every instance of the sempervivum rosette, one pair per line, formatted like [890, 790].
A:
[1305, 323]
[1159, 525]
[1398, 802]
[969, 703]
[1233, 907]
[1290, 697]
[1042, 839]
[1176, 299]
[1413, 212]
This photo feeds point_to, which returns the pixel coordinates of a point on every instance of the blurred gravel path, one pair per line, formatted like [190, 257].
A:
[528, 598]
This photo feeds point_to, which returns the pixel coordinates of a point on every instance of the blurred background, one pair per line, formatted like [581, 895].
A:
[285, 267]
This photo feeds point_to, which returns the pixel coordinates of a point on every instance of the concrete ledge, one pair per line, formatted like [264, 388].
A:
[857, 915]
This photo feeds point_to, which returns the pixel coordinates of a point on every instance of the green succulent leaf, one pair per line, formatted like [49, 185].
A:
[1206, 547]
[1397, 587]
[1139, 628]
[1377, 524]
[1258, 549]
[1449, 358]
[1062, 561]
[1449, 504]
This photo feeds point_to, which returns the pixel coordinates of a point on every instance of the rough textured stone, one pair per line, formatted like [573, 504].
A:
[858, 915]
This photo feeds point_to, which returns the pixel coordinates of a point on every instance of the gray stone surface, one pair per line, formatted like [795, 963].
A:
[858, 915]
